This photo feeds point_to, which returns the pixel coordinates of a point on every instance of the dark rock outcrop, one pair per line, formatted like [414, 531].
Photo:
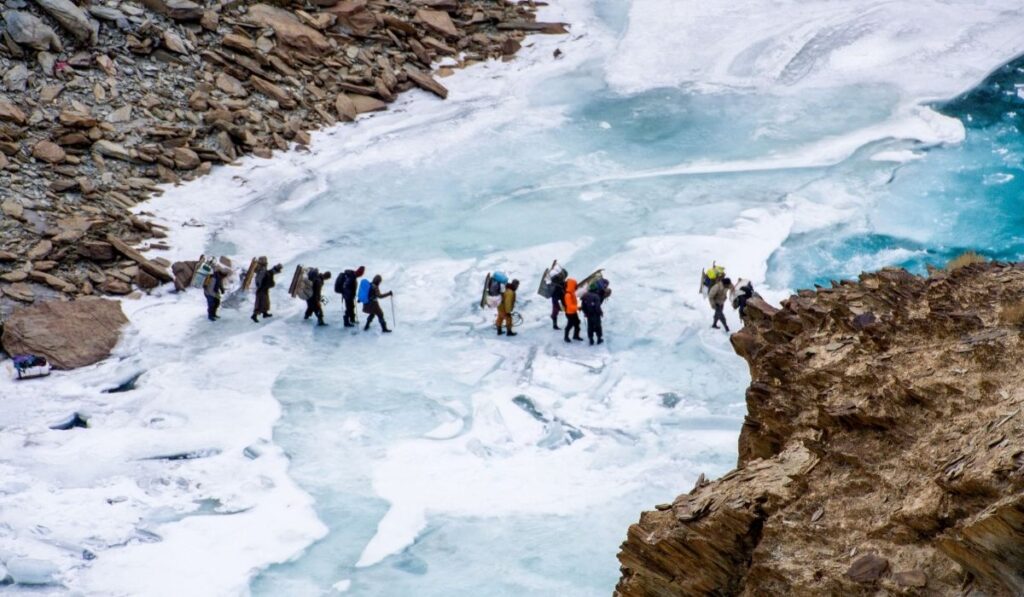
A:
[882, 453]
[69, 334]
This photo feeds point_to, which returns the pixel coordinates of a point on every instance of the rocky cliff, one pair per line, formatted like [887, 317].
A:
[882, 454]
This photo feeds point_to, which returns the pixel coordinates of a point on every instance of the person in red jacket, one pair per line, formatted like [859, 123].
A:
[572, 311]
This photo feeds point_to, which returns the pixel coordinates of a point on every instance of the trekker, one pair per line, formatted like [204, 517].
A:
[592, 311]
[717, 296]
[572, 309]
[213, 289]
[346, 287]
[372, 306]
[506, 307]
[264, 280]
[314, 303]
[558, 282]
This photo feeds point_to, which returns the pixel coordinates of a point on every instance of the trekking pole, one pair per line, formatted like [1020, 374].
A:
[394, 321]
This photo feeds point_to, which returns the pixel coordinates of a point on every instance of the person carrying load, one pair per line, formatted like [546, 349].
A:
[506, 307]
[710, 276]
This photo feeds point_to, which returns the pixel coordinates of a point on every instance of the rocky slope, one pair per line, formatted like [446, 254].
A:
[882, 454]
[101, 102]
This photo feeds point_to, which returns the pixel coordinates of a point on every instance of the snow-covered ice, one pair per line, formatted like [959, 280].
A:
[442, 459]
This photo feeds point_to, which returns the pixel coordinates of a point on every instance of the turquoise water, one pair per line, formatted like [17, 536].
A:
[954, 199]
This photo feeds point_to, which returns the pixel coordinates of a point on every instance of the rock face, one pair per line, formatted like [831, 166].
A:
[882, 453]
[68, 333]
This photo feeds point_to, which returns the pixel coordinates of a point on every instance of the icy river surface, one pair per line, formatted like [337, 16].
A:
[793, 142]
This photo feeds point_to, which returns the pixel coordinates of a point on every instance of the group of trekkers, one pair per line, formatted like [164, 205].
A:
[557, 286]
[719, 288]
[499, 292]
[307, 285]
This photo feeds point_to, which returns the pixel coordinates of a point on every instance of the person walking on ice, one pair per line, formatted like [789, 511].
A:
[572, 311]
[314, 304]
[372, 305]
[717, 296]
[264, 280]
[506, 307]
[592, 310]
[346, 287]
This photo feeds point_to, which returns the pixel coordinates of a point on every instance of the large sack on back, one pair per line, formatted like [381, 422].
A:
[68, 333]
[72, 18]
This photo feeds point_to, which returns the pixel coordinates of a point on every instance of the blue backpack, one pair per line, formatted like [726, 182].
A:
[364, 291]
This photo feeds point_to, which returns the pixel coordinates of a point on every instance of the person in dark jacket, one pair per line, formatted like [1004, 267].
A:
[314, 303]
[346, 286]
[264, 281]
[591, 307]
[372, 305]
[213, 289]
[557, 296]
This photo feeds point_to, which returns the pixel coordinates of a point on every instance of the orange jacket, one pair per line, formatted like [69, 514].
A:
[572, 305]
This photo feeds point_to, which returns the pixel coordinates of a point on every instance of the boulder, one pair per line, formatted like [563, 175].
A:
[365, 103]
[11, 113]
[96, 250]
[49, 152]
[867, 568]
[72, 18]
[426, 82]
[288, 29]
[148, 266]
[16, 78]
[231, 85]
[354, 15]
[69, 334]
[112, 150]
[179, 10]
[185, 159]
[29, 30]
[437, 21]
[40, 250]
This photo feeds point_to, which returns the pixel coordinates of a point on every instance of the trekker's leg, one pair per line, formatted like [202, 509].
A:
[599, 331]
[369, 320]
[310, 309]
[576, 324]
[590, 329]
[554, 313]
[319, 314]
[508, 325]
[498, 320]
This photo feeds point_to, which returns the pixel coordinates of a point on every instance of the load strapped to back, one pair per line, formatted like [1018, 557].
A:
[27, 366]
[494, 285]
[204, 269]
[554, 278]
[709, 276]
[363, 294]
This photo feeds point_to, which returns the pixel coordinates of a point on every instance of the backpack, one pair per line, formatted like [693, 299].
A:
[591, 304]
[364, 291]
[495, 288]
[500, 277]
[339, 283]
[305, 289]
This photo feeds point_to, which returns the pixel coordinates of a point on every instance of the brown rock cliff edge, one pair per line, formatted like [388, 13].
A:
[883, 451]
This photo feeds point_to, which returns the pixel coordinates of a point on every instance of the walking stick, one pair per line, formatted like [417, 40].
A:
[394, 321]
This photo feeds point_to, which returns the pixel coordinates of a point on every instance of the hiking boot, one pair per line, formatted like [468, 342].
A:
[577, 338]
[386, 331]
[500, 332]
[366, 327]
[568, 341]
[591, 342]
[268, 314]
[600, 340]
[253, 318]
[511, 334]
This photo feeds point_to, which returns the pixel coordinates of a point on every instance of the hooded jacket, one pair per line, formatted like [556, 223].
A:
[508, 300]
[572, 305]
